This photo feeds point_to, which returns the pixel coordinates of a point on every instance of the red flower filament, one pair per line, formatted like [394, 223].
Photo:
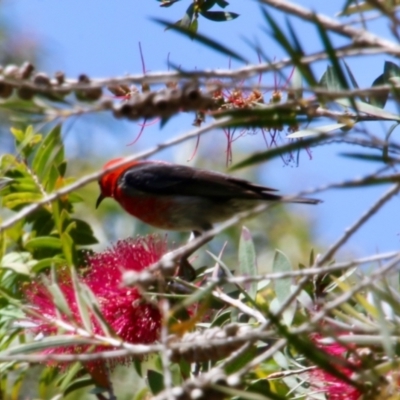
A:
[127, 313]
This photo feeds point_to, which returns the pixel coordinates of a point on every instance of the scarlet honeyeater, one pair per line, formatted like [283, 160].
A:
[182, 198]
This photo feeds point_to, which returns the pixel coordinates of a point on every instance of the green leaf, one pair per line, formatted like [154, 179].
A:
[278, 151]
[47, 263]
[19, 134]
[68, 249]
[330, 80]
[353, 80]
[51, 179]
[315, 131]
[77, 384]
[156, 381]
[187, 18]
[22, 184]
[46, 343]
[219, 16]
[202, 294]
[240, 362]
[51, 151]
[368, 109]
[167, 3]
[296, 84]
[390, 70]
[193, 27]
[94, 305]
[222, 3]
[207, 4]
[384, 326]
[201, 39]
[357, 8]
[4, 181]
[26, 140]
[378, 100]
[294, 50]
[351, 75]
[19, 262]
[82, 233]
[260, 386]
[43, 241]
[47, 378]
[57, 294]
[248, 260]
[282, 287]
[385, 152]
[330, 50]
[142, 394]
[369, 157]
[14, 201]
[84, 307]
[221, 318]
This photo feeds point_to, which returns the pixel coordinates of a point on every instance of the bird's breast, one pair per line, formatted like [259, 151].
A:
[150, 210]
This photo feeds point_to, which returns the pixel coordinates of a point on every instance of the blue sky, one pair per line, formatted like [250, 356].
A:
[100, 38]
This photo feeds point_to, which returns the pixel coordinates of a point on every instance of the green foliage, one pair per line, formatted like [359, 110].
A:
[203, 39]
[197, 8]
[249, 327]
[38, 171]
[247, 260]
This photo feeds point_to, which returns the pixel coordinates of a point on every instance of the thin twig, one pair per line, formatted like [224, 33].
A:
[359, 36]
[354, 228]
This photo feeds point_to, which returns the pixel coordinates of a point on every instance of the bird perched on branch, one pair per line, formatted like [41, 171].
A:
[182, 198]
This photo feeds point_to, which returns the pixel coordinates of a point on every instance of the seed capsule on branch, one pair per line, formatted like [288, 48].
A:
[60, 77]
[90, 94]
[11, 71]
[25, 93]
[25, 70]
[119, 90]
[41, 79]
[193, 99]
[6, 89]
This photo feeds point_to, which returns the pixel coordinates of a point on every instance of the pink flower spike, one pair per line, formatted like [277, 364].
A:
[333, 387]
[127, 313]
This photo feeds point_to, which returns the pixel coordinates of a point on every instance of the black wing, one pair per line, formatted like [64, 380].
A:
[169, 179]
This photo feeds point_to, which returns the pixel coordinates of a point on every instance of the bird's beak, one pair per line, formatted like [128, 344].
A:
[100, 199]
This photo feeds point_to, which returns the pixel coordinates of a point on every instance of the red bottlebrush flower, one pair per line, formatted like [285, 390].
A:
[134, 320]
[333, 387]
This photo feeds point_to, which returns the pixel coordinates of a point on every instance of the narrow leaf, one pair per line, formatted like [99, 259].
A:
[47, 343]
[156, 381]
[330, 50]
[315, 131]
[282, 286]
[378, 100]
[248, 261]
[43, 242]
[369, 157]
[207, 4]
[84, 308]
[219, 16]
[201, 39]
[368, 109]
[276, 152]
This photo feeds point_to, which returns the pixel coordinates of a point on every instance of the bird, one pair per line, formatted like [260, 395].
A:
[182, 198]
